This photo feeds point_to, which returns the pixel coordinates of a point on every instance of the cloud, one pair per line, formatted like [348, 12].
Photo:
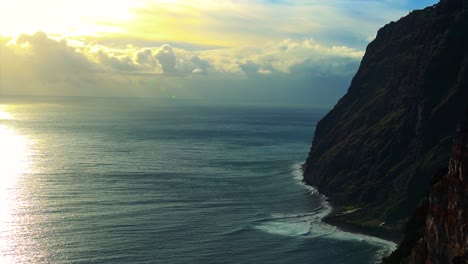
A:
[199, 63]
[51, 58]
[249, 67]
[120, 63]
[264, 71]
[39, 64]
[198, 71]
[62, 56]
[145, 58]
[167, 58]
[286, 57]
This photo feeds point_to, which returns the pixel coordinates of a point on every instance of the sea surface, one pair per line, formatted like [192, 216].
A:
[144, 181]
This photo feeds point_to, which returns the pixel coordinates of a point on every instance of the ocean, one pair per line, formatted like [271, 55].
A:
[143, 181]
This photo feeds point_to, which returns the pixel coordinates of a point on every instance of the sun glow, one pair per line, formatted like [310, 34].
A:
[66, 18]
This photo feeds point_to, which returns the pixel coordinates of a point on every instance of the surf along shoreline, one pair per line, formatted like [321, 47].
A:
[337, 216]
[347, 219]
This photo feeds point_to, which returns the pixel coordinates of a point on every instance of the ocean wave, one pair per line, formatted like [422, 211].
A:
[310, 225]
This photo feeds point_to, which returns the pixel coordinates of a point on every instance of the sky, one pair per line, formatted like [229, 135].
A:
[225, 51]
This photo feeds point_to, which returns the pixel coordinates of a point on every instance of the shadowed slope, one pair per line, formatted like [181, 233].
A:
[378, 147]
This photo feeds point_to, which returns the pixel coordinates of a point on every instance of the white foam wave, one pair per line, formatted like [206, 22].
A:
[310, 225]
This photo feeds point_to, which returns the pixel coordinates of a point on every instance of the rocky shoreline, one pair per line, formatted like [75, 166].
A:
[349, 222]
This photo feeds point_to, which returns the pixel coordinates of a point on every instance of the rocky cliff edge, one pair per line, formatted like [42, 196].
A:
[373, 155]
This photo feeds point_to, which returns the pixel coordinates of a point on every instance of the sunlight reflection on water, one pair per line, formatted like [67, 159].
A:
[14, 162]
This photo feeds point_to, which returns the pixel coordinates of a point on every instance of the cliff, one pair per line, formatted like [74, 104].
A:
[438, 229]
[374, 153]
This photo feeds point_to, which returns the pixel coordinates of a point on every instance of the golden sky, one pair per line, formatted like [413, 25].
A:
[62, 17]
[63, 47]
[202, 22]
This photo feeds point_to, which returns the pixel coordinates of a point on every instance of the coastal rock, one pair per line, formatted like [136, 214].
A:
[377, 148]
[445, 219]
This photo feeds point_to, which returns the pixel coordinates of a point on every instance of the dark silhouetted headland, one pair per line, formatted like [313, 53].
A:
[374, 155]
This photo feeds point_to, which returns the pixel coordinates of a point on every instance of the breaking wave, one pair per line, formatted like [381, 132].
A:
[310, 225]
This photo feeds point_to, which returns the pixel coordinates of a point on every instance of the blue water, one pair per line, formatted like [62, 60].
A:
[141, 181]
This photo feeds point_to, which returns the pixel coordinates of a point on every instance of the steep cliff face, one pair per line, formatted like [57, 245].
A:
[381, 142]
[446, 233]
[442, 217]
